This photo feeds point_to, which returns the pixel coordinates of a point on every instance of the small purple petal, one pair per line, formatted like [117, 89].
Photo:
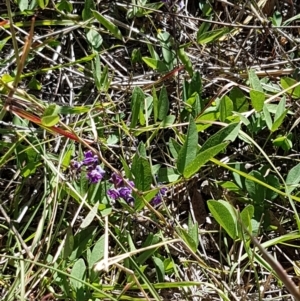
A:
[100, 170]
[76, 164]
[113, 193]
[96, 174]
[125, 193]
[131, 183]
[180, 5]
[163, 191]
[89, 158]
[156, 200]
[116, 180]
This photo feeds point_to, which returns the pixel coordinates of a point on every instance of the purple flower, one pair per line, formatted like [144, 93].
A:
[113, 193]
[117, 180]
[120, 189]
[157, 199]
[126, 194]
[96, 174]
[131, 183]
[89, 158]
[76, 164]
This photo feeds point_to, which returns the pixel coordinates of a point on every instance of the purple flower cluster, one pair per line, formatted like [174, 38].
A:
[121, 190]
[95, 173]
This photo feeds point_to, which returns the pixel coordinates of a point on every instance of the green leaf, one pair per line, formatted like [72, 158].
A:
[97, 252]
[94, 38]
[65, 110]
[225, 214]
[64, 6]
[153, 53]
[246, 216]
[228, 133]
[78, 271]
[243, 119]
[197, 105]
[50, 116]
[87, 10]
[90, 216]
[204, 27]
[160, 269]
[163, 103]
[104, 81]
[280, 114]
[185, 60]
[137, 99]
[142, 150]
[287, 82]
[193, 230]
[111, 27]
[277, 18]
[81, 241]
[23, 5]
[189, 149]
[212, 35]
[69, 245]
[237, 177]
[273, 181]
[280, 108]
[141, 170]
[151, 240]
[168, 121]
[278, 122]
[136, 56]
[168, 175]
[155, 104]
[284, 142]
[174, 147]
[34, 84]
[169, 265]
[29, 169]
[167, 52]
[193, 104]
[195, 85]
[96, 66]
[3, 42]
[42, 3]
[155, 64]
[257, 99]
[202, 158]
[225, 108]
[239, 100]
[293, 178]
[256, 191]
[254, 81]
[268, 117]
[187, 239]
[68, 155]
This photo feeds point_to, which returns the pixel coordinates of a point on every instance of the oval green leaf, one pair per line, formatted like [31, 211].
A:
[202, 158]
[225, 214]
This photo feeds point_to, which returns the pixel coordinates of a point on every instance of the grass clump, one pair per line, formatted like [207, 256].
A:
[149, 150]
